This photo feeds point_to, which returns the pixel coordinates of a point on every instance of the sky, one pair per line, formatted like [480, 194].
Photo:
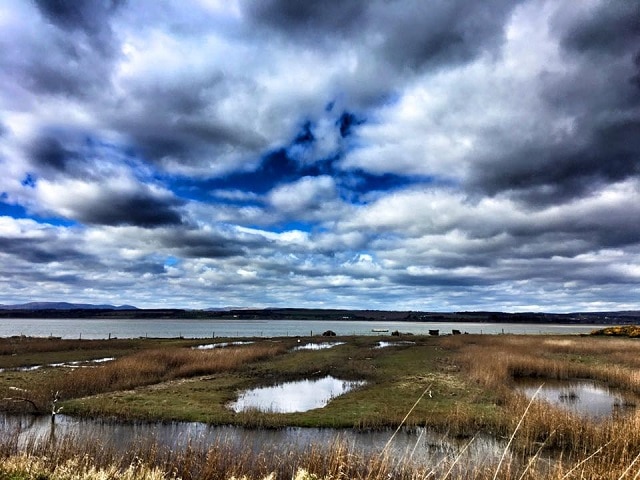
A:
[435, 155]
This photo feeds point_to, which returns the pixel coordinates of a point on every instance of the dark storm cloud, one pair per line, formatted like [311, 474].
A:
[304, 18]
[123, 208]
[609, 34]
[602, 228]
[599, 97]
[611, 28]
[43, 250]
[197, 244]
[48, 153]
[59, 74]
[24, 279]
[413, 34]
[175, 121]
[110, 192]
[190, 142]
[89, 16]
[505, 272]
[142, 267]
[442, 279]
[587, 273]
[542, 174]
[80, 49]
[422, 34]
[59, 152]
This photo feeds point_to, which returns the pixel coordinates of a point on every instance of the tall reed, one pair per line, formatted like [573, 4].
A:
[68, 458]
[495, 361]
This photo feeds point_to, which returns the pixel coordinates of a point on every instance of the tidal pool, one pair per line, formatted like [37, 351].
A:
[583, 397]
[290, 397]
[318, 346]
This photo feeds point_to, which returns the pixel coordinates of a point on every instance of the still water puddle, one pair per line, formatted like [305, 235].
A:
[317, 346]
[292, 397]
[75, 364]
[210, 346]
[394, 344]
[585, 398]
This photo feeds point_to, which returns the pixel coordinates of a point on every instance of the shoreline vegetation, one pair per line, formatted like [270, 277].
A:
[631, 331]
[470, 380]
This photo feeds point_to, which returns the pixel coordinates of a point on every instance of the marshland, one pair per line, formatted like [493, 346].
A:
[464, 390]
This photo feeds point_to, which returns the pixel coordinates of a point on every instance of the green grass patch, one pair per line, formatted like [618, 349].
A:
[467, 380]
[395, 378]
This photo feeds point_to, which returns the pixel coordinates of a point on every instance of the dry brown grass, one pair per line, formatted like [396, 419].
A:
[495, 361]
[571, 446]
[68, 459]
[140, 369]
[20, 344]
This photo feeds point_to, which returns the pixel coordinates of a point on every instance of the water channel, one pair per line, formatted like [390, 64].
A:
[420, 445]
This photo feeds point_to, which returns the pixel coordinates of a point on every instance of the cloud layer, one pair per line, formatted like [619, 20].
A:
[440, 155]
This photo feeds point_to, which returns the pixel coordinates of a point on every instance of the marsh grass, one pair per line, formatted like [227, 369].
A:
[69, 458]
[613, 362]
[21, 351]
[72, 459]
[142, 368]
[472, 381]
[21, 344]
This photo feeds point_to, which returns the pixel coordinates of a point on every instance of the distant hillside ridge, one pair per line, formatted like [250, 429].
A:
[64, 306]
[76, 310]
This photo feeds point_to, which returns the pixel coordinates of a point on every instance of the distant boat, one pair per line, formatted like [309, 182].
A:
[379, 330]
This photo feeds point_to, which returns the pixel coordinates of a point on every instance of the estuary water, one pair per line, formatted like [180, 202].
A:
[91, 328]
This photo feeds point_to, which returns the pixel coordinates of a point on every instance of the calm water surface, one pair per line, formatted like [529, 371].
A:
[105, 328]
[211, 346]
[418, 445]
[318, 346]
[584, 397]
[394, 344]
[289, 397]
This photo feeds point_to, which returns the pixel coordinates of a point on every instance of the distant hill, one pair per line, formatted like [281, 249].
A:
[123, 312]
[64, 306]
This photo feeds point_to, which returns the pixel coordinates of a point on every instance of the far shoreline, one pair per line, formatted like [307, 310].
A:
[305, 314]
